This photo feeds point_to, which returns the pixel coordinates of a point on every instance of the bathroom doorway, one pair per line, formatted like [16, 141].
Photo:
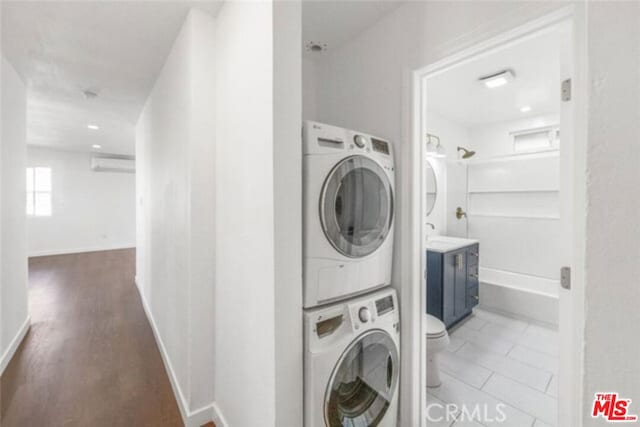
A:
[499, 185]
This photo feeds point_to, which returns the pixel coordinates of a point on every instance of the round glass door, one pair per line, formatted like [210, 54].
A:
[356, 206]
[363, 382]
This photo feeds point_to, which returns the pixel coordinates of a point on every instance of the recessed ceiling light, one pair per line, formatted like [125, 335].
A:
[525, 109]
[497, 79]
[93, 127]
[96, 146]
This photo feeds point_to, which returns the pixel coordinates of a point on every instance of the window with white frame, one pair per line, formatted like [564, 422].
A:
[39, 191]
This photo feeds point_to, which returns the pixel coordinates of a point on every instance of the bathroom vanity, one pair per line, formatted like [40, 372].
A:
[452, 278]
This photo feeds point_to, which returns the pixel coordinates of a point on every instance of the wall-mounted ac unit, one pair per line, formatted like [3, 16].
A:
[110, 164]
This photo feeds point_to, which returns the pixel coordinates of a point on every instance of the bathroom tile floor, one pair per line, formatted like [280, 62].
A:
[495, 359]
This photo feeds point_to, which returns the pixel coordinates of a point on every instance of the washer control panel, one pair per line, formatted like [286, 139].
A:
[364, 314]
[367, 312]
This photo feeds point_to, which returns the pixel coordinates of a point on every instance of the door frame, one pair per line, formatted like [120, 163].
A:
[571, 303]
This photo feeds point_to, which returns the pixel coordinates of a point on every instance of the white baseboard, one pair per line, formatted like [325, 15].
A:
[80, 250]
[217, 416]
[195, 418]
[15, 343]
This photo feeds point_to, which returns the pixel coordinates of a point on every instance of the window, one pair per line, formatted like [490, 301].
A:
[535, 140]
[39, 191]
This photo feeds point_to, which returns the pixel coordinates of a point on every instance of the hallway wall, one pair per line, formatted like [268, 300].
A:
[217, 144]
[90, 210]
[175, 140]
[14, 316]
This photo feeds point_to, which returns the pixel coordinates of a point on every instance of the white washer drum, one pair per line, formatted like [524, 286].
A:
[352, 363]
[348, 213]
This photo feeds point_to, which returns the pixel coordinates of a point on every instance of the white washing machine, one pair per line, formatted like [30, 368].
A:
[351, 362]
[348, 207]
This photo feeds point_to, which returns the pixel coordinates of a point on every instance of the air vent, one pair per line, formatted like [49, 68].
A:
[110, 164]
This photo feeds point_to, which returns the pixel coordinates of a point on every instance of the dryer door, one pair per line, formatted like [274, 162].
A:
[363, 382]
[356, 206]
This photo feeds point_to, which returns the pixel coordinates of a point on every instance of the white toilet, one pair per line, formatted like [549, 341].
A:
[437, 340]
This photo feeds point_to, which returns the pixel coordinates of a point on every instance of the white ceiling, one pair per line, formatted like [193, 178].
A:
[336, 22]
[457, 95]
[114, 48]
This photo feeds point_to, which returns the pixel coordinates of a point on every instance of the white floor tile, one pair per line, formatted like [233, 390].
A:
[463, 369]
[437, 413]
[474, 322]
[534, 358]
[515, 324]
[541, 340]
[528, 400]
[511, 368]
[484, 339]
[503, 332]
[553, 387]
[455, 343]
[466, 424]
[468, 398]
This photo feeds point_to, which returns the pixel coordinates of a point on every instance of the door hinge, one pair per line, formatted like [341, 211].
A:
[565, 90]
[565, 277]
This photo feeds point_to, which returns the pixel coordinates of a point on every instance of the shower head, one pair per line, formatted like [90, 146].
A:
[466, 153]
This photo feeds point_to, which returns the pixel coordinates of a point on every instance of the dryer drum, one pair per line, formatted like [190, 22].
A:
[356, 206]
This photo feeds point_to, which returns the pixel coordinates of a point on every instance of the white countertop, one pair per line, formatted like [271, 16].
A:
[445, 244]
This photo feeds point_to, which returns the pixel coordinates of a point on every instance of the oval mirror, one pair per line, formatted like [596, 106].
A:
[432, 187]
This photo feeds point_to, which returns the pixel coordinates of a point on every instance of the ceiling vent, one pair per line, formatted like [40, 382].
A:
[315, 47]
[110, 164]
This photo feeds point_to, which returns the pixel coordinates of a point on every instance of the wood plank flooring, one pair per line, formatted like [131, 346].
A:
[90, 358]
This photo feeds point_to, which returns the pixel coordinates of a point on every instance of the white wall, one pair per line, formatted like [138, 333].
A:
[612, 355]
[513, 207]
[287, 102]
[90, 210]
[309, 99]
[244, 371]
[175, 142]
[13, 246]
[218, 144]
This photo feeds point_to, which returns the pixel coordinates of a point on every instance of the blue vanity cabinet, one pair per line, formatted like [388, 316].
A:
[452, 283]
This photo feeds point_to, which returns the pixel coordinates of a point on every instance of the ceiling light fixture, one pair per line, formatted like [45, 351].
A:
[525, 109]
[498, 79]
[96, 146]
[93, 127]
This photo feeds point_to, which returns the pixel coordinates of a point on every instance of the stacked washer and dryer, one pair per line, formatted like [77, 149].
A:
[351, 314]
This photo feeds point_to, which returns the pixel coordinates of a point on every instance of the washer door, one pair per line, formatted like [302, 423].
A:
[363, 382]
[356, 206]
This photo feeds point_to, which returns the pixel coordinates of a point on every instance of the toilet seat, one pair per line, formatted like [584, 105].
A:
[435, 328]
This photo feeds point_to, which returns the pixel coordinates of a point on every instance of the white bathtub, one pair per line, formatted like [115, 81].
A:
[519, 295]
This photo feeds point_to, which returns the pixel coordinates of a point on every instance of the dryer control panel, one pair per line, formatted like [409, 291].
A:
[320, 138]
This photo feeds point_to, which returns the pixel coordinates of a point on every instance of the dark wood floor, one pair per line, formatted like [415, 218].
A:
[90, 358]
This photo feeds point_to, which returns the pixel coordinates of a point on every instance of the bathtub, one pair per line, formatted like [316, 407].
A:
[517, 295]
